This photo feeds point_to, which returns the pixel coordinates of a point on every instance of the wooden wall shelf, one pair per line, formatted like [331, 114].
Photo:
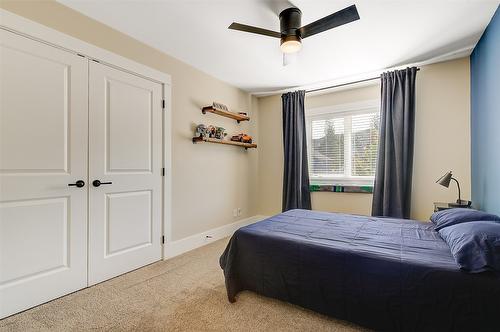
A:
[235, 116]
[220, 141]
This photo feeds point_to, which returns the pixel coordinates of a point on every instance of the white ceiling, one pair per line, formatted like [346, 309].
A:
[389, 34]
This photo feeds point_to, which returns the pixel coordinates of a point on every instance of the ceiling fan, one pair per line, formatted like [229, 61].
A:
[292, 33]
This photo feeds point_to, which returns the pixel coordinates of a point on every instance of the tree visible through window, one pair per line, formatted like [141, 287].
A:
[343, 146]
[328, 146]
[365, 134]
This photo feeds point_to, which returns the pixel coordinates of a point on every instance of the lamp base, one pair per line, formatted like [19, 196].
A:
[460, 203]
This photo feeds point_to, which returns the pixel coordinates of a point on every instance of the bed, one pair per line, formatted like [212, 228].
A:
[382, 273]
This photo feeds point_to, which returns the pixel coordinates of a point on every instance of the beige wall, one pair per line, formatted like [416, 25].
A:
[209, 180]
[442, 134]
[442, 141]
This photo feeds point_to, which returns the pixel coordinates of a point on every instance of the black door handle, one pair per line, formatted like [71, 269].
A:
[97, 183]
[79, 184]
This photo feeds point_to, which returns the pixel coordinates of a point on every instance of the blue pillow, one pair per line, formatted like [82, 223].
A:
[474, 245]
[450, 217]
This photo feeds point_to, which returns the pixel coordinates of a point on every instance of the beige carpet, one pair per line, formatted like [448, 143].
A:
[182, 294]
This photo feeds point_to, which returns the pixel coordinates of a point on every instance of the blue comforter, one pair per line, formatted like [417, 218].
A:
[386, 274]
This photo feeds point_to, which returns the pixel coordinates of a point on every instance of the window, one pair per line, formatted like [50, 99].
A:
[343, 143]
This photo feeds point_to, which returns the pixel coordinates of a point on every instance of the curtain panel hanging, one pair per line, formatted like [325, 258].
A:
[296, 193]
[393, 178]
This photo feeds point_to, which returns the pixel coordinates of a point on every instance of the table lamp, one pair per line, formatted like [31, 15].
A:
[445, 182]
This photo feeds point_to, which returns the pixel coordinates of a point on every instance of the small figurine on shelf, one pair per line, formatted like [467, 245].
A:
[201, 130]
[244, 138]
[211, 131]
[220, 133]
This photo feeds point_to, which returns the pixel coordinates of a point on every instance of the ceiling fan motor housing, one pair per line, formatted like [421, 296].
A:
[290, 23]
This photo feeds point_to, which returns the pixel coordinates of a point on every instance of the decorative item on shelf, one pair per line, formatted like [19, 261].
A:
[211, 131]
[244, 138]
[220, 133]
[220, 107]
[201, 130]
[445, 182]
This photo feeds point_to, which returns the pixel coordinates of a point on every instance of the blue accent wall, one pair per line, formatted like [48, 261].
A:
[485, 119]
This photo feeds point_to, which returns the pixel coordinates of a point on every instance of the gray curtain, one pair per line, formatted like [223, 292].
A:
[296, 193]
[392, 190]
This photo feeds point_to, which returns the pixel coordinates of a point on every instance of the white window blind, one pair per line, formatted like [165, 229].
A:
[342, 146]
[327, 146]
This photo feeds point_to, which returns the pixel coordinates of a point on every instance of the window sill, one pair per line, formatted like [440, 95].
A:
[341, 188]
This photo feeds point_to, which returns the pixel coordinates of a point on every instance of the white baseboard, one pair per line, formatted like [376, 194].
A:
[176, 248]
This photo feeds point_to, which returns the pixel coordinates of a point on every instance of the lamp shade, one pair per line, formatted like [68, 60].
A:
[290, 44]
[445, 180]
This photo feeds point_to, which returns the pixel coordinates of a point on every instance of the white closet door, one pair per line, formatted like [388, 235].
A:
[43, 148]
[125, 151]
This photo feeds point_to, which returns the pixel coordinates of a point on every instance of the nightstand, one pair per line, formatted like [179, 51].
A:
[438, 206]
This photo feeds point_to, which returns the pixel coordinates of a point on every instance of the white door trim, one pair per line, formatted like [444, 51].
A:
[30, 29]
[167, 164]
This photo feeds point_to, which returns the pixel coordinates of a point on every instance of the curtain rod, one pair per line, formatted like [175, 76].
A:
[344, 84]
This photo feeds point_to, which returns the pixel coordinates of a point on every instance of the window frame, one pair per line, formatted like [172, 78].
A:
[341, 110]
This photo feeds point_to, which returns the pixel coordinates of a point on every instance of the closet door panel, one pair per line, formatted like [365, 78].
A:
[43, 148]
[129, 129]
[125, 155]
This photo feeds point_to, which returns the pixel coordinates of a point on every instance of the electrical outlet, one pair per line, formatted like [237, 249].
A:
[239, 212]
[235, 213]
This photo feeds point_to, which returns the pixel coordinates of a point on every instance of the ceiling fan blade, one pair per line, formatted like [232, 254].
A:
[336, 19]
[251, 29]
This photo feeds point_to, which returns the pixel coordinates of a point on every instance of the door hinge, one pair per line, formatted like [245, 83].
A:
[163, 239]
[163, 171]
[163, 103]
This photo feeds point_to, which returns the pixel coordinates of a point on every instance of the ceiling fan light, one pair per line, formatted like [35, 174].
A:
[290, 44]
